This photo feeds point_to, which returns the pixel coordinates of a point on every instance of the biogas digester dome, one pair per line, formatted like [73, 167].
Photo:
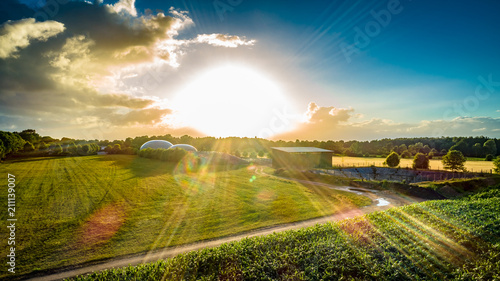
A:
[154, 144]
[186, 147]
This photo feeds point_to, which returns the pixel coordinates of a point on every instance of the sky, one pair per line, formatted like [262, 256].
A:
[324, 70]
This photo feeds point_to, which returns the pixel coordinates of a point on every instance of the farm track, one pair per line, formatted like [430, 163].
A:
[393, 199]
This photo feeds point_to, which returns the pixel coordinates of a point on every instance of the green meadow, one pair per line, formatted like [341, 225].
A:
[435, 240]
[74, 210]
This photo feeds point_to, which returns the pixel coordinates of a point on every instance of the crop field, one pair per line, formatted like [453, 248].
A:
[435, 240]
[435, 164]
[73, 210]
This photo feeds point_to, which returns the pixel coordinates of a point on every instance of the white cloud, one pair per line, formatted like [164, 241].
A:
[330, 123]
[18, 34]
[223, 40]
[127, 6]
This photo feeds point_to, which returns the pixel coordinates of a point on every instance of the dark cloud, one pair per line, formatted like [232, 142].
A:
[64, 64]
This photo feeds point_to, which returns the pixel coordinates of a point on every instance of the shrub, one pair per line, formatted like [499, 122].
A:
[392, 160]
[488, 157]
[454, 160]
[420, 161]
[496, 163]
[253, 155]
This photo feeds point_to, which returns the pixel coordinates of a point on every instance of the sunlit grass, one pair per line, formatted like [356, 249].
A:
[436, 240]
[77, 209]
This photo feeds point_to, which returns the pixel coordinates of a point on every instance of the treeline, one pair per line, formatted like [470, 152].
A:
[406, 147]
[28, 142]
[167, 155]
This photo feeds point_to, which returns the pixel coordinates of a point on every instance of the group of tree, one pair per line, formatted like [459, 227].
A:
[454, 160]
[167, 155]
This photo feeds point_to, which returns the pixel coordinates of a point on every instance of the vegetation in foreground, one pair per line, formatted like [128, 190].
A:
[73, 210]
[436, 240]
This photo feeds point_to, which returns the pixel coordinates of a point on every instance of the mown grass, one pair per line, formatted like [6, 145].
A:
[436, 240]
[73, 210]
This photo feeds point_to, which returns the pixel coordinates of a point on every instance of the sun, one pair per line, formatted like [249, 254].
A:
[233, 101]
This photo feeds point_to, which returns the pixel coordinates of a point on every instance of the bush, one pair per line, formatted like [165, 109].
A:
[420, 161]
[488, 157]
[454, 160]
[392, 160]
[496, 163]
[253, 155]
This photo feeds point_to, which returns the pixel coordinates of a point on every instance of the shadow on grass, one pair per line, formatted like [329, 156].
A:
[140, 167]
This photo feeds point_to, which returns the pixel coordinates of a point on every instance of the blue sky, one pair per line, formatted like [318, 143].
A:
[427, 57]
[345, 69]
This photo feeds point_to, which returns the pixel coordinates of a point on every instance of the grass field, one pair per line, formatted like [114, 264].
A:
[435, 164]
[436, 240]
[72, 210]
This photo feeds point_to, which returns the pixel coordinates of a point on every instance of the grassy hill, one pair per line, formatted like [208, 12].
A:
[436, 240]
[73, 210]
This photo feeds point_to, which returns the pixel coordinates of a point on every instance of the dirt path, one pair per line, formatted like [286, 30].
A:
[381, 200]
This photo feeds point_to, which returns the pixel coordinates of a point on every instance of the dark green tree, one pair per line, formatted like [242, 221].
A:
[490, 147]
[454, 160]
[460, 146]
[420, 161]
[477, 149]
[392, 160]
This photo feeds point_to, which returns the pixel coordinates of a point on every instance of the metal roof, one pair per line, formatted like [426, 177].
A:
[301, 149]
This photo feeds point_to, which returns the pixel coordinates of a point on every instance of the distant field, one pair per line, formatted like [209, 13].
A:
[72, 210]
[474, 166]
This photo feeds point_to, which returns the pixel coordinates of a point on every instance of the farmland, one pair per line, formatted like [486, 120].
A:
[74, 210]
[435, 240]
[435, 164]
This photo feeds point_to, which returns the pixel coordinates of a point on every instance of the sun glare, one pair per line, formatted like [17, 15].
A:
[231, 101]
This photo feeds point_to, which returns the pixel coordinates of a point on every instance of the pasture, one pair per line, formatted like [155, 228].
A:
[435, 240]
[434, 164]
[74, 210]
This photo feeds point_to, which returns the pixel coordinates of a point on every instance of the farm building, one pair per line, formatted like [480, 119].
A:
[301, 157]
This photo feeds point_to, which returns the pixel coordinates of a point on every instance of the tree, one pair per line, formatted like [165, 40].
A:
[420, 161]
[490, 147]
[30, 135]
[426, 149]
[405, 154]
[477, 149]
[392, 160]
[245, 154]
[117, 149]
[261, 153]
[460, 146]
[28, 147]
[496, 163]
[56, 149]
[454, 160]
[489, 157]
[253, 154]
[237, 153]
[42, 146]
